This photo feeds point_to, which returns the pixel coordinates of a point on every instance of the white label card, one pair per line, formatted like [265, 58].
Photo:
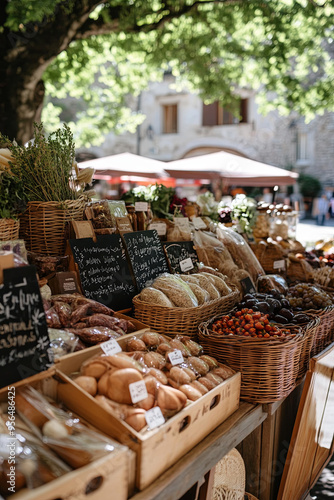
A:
[138, 391]
[176, 357]
[154, 417]
[198, 223]
[186, 265]
[160, 228]
[141, 206]
[182, 223]
[279, 264]
[110, 347]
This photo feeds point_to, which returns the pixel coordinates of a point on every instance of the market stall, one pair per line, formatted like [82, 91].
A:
[166, 330]
[232, 168]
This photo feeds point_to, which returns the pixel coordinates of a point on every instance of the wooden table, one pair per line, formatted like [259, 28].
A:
[193, 466]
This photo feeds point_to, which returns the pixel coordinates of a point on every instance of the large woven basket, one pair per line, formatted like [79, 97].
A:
[44, 225]
[9, 229]
[268, 255]
[174, 321]
[324, 334]
[269, 368]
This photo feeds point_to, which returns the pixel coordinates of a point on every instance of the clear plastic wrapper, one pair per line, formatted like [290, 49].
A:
[175, 288]
[212, 253]
[74, 442]
[177, 233]
[98, 212]
[35, 464]
[48, 264]
[16, 246]
[240, 251]
[62, 342]
[270, 282]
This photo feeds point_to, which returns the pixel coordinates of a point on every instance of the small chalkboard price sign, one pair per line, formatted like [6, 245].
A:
[24, 340]
[104, 272]
[181, 255]
[147, 256]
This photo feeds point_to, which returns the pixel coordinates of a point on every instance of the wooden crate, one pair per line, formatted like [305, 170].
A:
[158, 449]
[112, 472]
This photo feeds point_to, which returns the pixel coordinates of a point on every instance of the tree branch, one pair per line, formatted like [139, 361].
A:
[100, 27]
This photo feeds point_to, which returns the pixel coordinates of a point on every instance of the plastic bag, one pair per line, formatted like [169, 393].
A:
[240, 251]
[272, 281]
[75, 443]
[176, 290]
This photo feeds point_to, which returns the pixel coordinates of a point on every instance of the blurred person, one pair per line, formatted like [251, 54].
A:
[321, 208]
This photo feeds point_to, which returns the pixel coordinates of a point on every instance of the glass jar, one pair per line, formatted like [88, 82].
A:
[141, 220]
[262, 225]
[132, 216]
[279, 225]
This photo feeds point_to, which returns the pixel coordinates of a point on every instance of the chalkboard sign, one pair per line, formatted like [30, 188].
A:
[147, 257]
[104, 271]
[24, 340]
[181, 255]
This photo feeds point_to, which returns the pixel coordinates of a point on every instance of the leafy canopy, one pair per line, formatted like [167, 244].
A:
[281, 48]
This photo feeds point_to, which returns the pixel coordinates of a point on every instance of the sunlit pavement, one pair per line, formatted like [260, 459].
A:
[308, 232]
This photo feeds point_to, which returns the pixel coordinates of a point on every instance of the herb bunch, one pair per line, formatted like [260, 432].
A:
[12, 196]
[45, 165]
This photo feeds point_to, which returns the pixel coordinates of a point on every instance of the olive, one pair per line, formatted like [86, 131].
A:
[301, 318]
[280, 319]
[285, 303]
[248, 296]
[263, 307]
[286, 313]
[274, 304]
[251, 302]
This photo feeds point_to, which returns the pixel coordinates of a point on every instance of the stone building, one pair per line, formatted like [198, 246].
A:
[178, 124]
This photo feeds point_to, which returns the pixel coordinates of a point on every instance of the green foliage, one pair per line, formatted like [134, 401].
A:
[45, 165]
[12, 196]
[309, 186]
[244, 213]
[280, 48]
[158, 195]
[208, 205]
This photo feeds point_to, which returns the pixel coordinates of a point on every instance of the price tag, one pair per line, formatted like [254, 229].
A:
[138, 391]
[110, 347]
[186, 265]
[160, 228]
[154, 417]
[247, 285]
[279, 264]
[176, 357]
[198, 223]
[182, 223]
[141, 206]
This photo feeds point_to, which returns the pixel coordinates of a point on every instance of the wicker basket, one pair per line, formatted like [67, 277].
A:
[270, 253]
[324, 334]
[229, 478]
[44, 224]
[9, 229]
[309, 335]
[174, 321]
[269, 368]
[299, 271]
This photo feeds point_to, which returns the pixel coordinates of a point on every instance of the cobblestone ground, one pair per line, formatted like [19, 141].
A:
[324, 488]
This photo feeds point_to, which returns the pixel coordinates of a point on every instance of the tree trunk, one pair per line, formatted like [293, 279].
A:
[21, 106]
